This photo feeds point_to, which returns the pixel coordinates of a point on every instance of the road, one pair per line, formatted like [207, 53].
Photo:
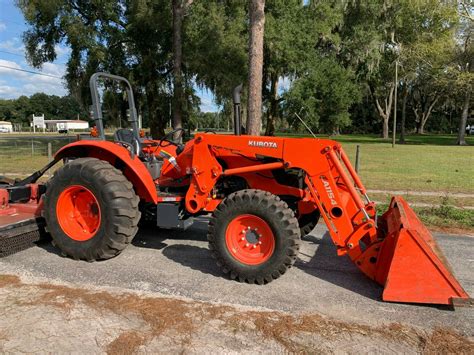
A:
[175, 263]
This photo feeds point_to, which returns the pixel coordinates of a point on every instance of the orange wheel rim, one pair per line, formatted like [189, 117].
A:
[78, 213]
[250, 239]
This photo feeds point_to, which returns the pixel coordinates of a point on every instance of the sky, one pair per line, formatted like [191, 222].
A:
[14, 83]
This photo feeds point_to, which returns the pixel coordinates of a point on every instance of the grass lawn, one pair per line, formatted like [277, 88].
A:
[419, 165]
[23, 155]
[415, 168]
[426, 163]
[443, 217]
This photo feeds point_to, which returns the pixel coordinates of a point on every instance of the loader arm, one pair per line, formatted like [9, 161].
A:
[347, 217]
[397, 251]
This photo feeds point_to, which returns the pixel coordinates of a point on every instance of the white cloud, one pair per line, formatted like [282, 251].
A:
[8, 67]
[207, 105]
[22, 83]
[62, 50]
[9, 92]
[48, 88]
[3, 27]
[13, 45]
[54, 69]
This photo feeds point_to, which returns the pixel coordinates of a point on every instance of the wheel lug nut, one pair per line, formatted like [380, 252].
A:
[248, 227]
[254, 246]
[243, 238]
[247, 245]
[259, 242]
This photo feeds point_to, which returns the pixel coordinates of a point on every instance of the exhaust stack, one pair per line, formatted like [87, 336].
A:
[237, 119]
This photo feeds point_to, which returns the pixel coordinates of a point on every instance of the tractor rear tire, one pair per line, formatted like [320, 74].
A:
[91, 210]
[254, 236]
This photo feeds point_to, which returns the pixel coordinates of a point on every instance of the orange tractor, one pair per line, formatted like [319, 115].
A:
[263, 194]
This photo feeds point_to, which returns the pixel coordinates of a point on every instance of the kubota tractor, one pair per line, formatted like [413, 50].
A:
[263, 195]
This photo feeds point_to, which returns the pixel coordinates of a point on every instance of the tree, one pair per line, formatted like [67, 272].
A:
[254, 108]
[19, 110]
[132, 39]
[296, 33]
[323, 96]
[179, 8]
[375, 34]
[215, 49]
[464, 66]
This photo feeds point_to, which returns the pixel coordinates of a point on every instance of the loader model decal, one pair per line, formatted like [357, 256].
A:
[329, 191]
[260, 144]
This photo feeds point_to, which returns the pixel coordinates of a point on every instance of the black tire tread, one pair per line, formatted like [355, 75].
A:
[122, 209]
[282, 213]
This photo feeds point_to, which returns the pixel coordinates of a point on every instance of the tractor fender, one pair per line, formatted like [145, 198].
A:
[119, 157]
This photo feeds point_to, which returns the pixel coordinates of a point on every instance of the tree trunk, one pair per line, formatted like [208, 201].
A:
[257, 23]
[421, 127]
[273, 110]
[462, 123]
[385, 128]
[179, 7]
[404, 114]
[384, 112]
[425, 113]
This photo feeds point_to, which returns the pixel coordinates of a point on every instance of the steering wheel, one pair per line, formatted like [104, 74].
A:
[168, 137]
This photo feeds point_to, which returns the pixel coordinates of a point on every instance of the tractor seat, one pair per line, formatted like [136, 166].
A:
[125, 135]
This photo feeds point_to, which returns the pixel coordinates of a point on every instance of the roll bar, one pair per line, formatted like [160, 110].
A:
[96, 107]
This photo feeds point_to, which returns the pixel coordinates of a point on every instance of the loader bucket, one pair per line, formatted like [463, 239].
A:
[410, 264]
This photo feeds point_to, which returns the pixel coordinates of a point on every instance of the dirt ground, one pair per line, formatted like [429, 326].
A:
[165, 294]
[43, 317]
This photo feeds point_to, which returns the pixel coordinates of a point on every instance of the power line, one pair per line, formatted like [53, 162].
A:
[23, 56]
[30, 71]
[11, 53]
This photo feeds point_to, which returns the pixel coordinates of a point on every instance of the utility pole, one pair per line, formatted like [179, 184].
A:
[394, 133]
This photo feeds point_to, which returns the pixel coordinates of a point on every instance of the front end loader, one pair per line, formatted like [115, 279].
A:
[262, 194]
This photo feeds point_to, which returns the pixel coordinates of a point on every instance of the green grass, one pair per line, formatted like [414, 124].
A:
[415, 168]
[18, 157]
[424, 139]
[425, 163]
[444, 216]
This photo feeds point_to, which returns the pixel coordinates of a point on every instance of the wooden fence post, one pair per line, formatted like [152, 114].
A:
[50, 152]
[357, 160]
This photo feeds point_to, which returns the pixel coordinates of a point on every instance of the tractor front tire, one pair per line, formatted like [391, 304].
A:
[91, 210]
[254, 236]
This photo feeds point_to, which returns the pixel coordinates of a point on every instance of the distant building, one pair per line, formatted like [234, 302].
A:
[6, 127]
[65, 125]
